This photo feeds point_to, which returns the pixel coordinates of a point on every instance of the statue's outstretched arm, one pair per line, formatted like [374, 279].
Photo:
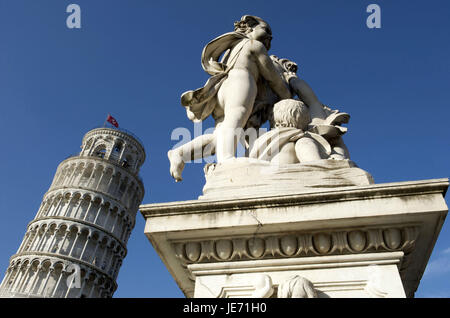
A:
[306, 94]
[269, 72]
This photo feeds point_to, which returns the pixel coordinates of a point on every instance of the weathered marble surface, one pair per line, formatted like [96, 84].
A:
[295, 217]
[240, 95]
[360, 241]
[244, 177]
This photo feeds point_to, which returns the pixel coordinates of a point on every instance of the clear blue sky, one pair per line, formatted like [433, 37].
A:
[134, 58]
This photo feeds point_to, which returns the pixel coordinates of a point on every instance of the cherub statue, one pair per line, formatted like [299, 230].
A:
[230, 92]
[290, 142]
[324, 121]
[241, 92]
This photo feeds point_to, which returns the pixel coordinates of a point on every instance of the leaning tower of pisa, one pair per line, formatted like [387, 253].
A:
[75, 245]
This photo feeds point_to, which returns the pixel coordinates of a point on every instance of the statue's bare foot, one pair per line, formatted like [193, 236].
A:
[176, 164]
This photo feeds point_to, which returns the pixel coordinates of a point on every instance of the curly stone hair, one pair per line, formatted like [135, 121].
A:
[246, 24]
[291, 113]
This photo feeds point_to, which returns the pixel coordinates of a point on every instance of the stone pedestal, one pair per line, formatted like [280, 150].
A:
[357, 241]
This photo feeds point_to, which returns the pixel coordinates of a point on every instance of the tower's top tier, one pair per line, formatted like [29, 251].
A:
[116, 145]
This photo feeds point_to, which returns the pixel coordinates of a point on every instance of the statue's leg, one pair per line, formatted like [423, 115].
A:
[307, 150]
[237, 96]
[339, 149]
[197, 148]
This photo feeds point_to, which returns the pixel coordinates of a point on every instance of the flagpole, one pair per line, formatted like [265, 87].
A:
[104, 124]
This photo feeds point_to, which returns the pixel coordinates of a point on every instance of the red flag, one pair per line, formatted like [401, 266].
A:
[112, 121]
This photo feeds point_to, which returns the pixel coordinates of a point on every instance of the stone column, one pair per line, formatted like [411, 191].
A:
[42, 289]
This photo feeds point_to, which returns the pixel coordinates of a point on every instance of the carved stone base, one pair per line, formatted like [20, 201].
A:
[244, 177]
[360, 241]
[360, 275]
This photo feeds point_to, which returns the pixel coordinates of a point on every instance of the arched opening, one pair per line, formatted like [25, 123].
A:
[55, 286]
[73, 208]
[114, 187]
[127, 162]
[78, 173]
[119, 224]
[98, 171]
[80, 243]
[86, 175]
[129, 195]
[100, 151]
[117, 150]
[123, 186]
[96, 211]
[88, 145]
[105, 180]
[89, 247]
[65, 205]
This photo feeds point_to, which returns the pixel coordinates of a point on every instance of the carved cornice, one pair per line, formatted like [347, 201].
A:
[374, 191]
[303, 244]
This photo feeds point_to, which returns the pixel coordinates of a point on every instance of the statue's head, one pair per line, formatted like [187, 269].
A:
[291, 113]
[255, 28]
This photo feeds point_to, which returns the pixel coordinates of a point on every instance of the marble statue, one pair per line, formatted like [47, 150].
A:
[294, 208]
[230, 92]
[240, 95]
[290, 142]
[263, 287]
[324, 121]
